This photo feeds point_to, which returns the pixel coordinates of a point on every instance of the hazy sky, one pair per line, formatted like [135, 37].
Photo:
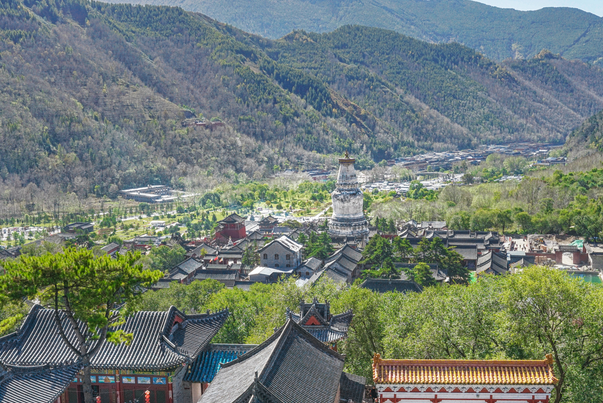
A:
[592, 6]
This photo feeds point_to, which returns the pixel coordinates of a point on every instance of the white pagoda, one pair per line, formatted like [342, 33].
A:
[348, 221]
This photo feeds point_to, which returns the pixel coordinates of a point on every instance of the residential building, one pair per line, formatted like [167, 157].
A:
[282, 253]
[149, 194]
[262, 274]
[204, 253]
[184, 272]
[111, 249]
[595, 256]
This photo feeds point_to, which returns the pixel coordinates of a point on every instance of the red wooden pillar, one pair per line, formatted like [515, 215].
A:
[170, 393]
[118, 391]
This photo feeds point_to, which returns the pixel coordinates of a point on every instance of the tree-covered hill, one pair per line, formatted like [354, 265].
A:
[95, 97]
[588, 136]
[498, 33]
[437, 95]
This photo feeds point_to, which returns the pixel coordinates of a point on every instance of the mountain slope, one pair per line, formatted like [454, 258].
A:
[497, 33]
[95, 97]
[401, 80]
[589, 135]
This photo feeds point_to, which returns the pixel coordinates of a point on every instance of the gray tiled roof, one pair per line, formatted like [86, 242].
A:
[291, 365]
[233, 218]
[209, 251]
[492, 263]
[335, 276]
[383, 285]
[109, 247]
[42, 384]
[216, 274]
[158, 342]
[313, 263]
[189, 266]
[4, 254]
[352, 387]
[468, 252]
[286, 242]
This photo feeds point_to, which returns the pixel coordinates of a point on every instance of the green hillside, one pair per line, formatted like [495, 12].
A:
[497, 33]
[589, 135]
[97, 97]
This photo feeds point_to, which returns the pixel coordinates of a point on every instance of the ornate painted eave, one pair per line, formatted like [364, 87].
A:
[463, 372]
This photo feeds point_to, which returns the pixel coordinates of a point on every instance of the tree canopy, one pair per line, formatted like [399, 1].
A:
[86, 289]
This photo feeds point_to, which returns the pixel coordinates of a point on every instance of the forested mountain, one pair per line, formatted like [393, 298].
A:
[94, 97]
[497, 33]
[589, 135]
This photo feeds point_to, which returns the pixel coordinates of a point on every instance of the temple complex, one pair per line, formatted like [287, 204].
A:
[456, 381]
[348, 222]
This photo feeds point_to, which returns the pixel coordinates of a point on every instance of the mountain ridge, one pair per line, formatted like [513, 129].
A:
[496, 32]
[98, 95]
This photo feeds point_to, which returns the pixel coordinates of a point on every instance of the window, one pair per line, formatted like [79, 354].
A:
[276, 256]
[276, 265]
[307, 274]
[288, 257]
[288, 265]
[265, 256]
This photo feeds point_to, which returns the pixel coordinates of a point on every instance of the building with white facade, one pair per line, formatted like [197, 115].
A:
[348, 221]
[282, 253]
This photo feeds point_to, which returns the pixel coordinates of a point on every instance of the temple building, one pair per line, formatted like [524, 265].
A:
[456, 381]
[162, 347]
[348, 222]
[317, 320]
[40, 384]
[231, 228]
[291, 366]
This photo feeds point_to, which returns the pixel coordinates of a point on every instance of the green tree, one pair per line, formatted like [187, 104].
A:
[377, 251]
[421, 274]
[83, 288]
[164, 258]
[402, 249]
[320, 246]
[387, 269]
[503, 218]
[550, 312]
[524, 220]
[251, 257]
[192, 298]
[453, 264]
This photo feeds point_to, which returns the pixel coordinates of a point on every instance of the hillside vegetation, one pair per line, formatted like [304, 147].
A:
[589, 136]
[95, 98]
[497, 33]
